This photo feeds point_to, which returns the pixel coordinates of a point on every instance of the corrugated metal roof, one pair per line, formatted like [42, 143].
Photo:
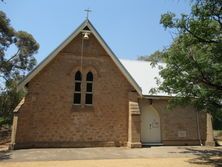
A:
[144, 74]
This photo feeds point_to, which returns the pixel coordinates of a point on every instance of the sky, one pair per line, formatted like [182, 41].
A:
[131, 28]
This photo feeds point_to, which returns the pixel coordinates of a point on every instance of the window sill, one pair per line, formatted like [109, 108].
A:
[79, 105]
[80, 108]
[88, 105]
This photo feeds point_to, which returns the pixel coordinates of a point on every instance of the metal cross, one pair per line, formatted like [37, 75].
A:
[87, 12]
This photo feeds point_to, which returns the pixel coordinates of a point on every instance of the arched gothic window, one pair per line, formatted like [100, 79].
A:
[89, 89]
[77, 92]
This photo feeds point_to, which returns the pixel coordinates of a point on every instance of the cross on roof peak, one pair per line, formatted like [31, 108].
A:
[87, 13]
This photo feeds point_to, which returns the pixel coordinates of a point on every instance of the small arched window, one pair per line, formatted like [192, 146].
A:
[89, 89]
[77, 92]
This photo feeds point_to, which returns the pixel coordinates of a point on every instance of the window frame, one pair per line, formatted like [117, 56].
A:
[89, 92]
[75, 91]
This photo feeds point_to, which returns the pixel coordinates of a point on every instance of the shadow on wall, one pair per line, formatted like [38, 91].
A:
[206, 156]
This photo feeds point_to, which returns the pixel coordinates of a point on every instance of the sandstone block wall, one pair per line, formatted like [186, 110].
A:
[134, 128]
[48, 117]
[176, 120]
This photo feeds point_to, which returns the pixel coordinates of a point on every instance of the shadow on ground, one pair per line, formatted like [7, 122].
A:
[205, 156]
[5, 155]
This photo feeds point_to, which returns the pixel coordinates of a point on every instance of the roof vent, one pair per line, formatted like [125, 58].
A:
[86, 28]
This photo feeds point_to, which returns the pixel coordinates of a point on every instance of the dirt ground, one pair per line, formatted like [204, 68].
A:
[149, 162]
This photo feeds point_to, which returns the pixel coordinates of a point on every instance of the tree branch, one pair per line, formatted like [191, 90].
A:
[218, 87]
[16, 54]
[204, 79]
[199, 38]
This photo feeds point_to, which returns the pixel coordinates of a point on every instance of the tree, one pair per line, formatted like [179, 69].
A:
[26, 46]
[157, 56]
[12, 67]
[9, 99]
[193, 71]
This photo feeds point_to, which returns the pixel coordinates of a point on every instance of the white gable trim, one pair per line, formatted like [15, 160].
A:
[38, 68]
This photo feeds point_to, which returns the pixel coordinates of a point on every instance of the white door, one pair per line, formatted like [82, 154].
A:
[150, 125]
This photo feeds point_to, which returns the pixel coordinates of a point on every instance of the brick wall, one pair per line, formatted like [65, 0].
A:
[178, 119]
[48, 117]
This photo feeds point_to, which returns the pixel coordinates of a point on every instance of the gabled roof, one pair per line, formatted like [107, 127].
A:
[87, 23]
[144, 74]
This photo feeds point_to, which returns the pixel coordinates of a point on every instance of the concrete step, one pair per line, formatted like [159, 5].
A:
[152, 144]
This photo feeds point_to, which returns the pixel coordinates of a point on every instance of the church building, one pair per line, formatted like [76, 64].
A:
[82, 95]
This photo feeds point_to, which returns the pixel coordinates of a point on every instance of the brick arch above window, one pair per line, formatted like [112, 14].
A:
[92, 69]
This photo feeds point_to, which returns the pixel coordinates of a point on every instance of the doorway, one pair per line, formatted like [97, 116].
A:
[150, 125]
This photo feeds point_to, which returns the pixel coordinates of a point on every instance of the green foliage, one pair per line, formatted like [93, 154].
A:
[217, 121]
[13, 66]
[9, 99]
[154, 57]
[193, 69]
[23, 60]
